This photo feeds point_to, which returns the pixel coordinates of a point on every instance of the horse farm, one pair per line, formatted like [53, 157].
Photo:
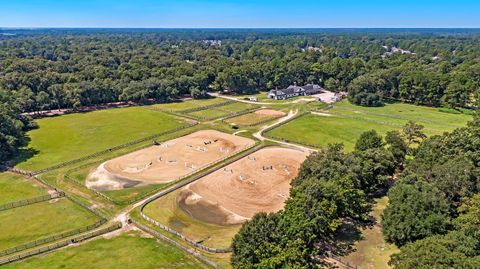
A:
[170, 179]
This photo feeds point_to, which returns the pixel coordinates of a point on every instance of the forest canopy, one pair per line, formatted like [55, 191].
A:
[48, 69]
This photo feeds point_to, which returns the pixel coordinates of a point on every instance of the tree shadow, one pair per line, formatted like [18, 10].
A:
[23, 153]
[343, 242]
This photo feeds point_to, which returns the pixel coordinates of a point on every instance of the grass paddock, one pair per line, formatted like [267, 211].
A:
[348, 121]
[129, 250]
[371, 251]
[37, 221]
[184, 105]
[68, 137]
[250, 119]
[16, 187]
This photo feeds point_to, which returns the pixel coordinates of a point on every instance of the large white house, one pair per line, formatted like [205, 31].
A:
[294, 90]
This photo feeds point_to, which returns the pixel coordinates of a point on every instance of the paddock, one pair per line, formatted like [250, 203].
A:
[259, 182]
[256, 117]
[167, 161]
[269, 112]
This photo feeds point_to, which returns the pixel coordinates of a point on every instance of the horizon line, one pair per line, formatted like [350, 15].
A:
[223, 28]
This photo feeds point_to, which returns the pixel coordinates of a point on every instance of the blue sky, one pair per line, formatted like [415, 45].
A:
[240, 14]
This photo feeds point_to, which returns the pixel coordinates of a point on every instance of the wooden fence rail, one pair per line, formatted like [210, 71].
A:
[51, 239]
[30, 201]
[184, 183]
[60, 244]
[96, 154]
[176, 244]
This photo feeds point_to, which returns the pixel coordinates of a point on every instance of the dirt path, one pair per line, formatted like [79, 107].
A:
[238, 132]
[291, 114]
[321, 114]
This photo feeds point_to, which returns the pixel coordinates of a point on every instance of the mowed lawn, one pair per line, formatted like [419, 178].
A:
[237, 107]
[209, 114]
[347, 122]
[69, 137]
[15, 188]
[184, 105]
[29, 223]
[167, 211]
[125, 251]
[221, 111]
[398, 114]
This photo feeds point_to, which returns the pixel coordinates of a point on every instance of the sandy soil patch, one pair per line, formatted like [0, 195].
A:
[166, 162]
[269, 112]
[259, 182]
[321, 114]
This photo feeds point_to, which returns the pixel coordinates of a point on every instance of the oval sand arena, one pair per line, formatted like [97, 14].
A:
[259, 182]
[167, 161]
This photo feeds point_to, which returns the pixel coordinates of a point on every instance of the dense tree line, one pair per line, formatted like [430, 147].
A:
[434, 210]
[333, 189]
[47, 69]
[54, 68]
[12, 128]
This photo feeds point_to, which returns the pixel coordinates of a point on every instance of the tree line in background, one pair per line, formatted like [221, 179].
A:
[54, 68]
[433, 213]
[47, 69]
[13, 126]
[50, 69]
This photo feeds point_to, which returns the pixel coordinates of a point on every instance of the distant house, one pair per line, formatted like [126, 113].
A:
[311, 48]
[294, 90]
[391, 50]
[311, 89]
[213, 42]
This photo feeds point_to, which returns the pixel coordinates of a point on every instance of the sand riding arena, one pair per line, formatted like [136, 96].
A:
[269, 112]
[259, 182]
[166, 161]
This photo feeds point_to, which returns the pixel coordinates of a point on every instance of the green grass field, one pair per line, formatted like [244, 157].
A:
[372, 251]
[209, 114]
[15, 188]
[29, 223]
[180, 106]
[397, 114]
[221, 111]
[250, 119]
[69, 137]
[237, 107]
[167, 211]
[348, 122]
[320, 131]
[129, 250]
